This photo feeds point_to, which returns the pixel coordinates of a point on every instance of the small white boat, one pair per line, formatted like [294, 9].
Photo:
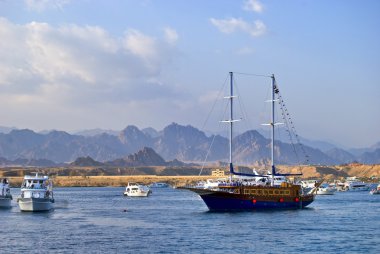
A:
[353, 184]
[308, 185]
[5, 194]
[36, 194]
[375, 191]
[137, 190]
[325, 189]
[158, 185]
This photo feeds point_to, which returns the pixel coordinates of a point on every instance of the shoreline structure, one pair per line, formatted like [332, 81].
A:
[175, 176]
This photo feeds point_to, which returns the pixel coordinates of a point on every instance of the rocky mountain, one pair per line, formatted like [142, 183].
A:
[6, 130]
[27, 162]
[151, 132]
[341, 155]
[134, 139]
[86, 162]
[370, 157]
[187, 143]
[145, 157]
[94, 132]
[174, 142]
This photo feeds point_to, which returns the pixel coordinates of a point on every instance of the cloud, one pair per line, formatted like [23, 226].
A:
[253, 5]
[171, 35]
[231, 25]
[42, 5]
[45, 69]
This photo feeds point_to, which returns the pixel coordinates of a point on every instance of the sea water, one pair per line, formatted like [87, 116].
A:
[102, 220]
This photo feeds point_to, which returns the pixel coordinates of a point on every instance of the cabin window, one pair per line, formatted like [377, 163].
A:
[276, 192]
[259, 192]
[287, 192]
[265, 192]
[246, 191]
[270, 192]
[253, 191]
[281, 192]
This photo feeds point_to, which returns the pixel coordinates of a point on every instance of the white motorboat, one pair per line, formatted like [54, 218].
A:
[36, 194]
[5, 194]
[375, 191]
[325, 189]
[353, 184]
[158, 185]
[137, 190]
[308, 185]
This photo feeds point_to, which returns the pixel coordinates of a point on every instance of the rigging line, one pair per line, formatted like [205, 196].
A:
[251, 74]
[247, 121]
[291, 130]
[208, 152]
[214, 136]
[290, 136]
[287, 126]
[216, 100]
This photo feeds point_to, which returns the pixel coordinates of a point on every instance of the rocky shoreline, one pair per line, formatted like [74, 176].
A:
[115, 176]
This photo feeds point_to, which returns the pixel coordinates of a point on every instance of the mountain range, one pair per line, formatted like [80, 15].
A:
[174, 142]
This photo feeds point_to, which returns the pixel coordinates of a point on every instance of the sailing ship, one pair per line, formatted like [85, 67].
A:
[236, 196]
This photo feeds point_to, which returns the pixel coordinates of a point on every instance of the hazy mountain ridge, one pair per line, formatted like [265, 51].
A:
[145, 157]
[183, 143]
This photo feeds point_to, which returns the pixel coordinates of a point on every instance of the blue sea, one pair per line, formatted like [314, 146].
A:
[102, 220]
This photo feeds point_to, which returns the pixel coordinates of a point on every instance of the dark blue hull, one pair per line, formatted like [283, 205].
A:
[227, 201]
[223, 203]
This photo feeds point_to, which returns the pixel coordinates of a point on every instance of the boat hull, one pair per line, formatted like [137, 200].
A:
[35, 204]
[5, 202]
[145, 194]
[225, 201]
[325, 192]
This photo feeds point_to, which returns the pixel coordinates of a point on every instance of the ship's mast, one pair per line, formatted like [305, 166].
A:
[231, 120]
[272, 131]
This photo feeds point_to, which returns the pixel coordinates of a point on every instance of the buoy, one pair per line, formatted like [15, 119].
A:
[254, 201]
[281, 200]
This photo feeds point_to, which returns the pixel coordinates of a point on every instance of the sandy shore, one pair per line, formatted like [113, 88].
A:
[102, 181]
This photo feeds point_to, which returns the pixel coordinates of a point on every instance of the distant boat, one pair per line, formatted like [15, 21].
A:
[376, 190]
[5, 194]
[309, 186]
[235, 196]
[36, 194]
[353, 184]
[137, 190]
[158, 185]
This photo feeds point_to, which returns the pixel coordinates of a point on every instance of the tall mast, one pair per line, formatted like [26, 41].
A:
[272, 134]
[231, 121]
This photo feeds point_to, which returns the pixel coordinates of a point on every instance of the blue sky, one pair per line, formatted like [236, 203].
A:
[72, 65]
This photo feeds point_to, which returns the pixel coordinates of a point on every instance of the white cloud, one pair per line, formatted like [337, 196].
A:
[42, 5]
[140, 44]
[45, 69]
[253, 5]
[171, 35]
[231, 25]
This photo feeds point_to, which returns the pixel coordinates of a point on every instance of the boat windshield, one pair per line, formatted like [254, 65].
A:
[34, 184]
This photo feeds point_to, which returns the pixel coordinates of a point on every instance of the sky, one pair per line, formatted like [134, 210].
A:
[73, 65]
